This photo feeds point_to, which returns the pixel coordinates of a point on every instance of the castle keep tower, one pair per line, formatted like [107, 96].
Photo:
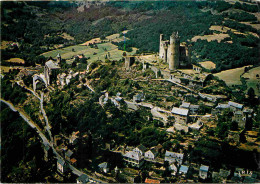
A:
[173, 56]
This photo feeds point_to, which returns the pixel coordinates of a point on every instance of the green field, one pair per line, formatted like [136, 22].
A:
[252, 80]
[101, 52]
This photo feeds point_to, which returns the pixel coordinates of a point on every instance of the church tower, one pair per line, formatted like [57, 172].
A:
[174, 54]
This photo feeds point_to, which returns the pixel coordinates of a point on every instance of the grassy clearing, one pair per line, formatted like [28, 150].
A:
[252, 80]
[208, 64]
[16, 60]
[232, 76]
[224, 29]
[209, 38]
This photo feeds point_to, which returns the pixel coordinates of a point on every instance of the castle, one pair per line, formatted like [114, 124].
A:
[174, 53]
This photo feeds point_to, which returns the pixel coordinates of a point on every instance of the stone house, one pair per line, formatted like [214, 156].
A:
[62, 166]
[203, 173]
[181, 115]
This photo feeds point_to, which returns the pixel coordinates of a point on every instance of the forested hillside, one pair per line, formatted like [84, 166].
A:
[39, 27]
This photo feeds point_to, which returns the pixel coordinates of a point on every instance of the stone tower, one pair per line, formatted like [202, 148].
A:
[173, 55]
[161, 48]
[58, 58]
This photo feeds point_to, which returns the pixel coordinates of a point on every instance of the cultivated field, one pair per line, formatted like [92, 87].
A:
[252, 80]
[208, 64]
[232, 76]
[94, 54]
[106, 48]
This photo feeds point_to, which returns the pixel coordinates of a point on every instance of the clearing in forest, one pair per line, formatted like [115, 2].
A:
[208, 65]
[232, 76]
[252, 79]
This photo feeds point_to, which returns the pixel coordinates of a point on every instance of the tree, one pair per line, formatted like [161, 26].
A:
[251, 94]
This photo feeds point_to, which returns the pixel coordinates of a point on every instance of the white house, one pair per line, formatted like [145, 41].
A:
[150, 154]
[134, 158]
[172, 157]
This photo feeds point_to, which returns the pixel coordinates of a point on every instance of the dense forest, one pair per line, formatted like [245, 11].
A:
[18, 137]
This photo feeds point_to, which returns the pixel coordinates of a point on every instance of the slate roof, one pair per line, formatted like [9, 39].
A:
[184, 169]
[204, 168]
[180, 111]
[142, 148]
[61, 162]
[222, 106]
[52, 65]
[133, 155]
[83, 178]
[236, 105]
[103, 165]
[68, 153]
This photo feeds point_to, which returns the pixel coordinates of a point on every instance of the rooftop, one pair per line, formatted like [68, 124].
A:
[83, 178]
[147, 180]
[184, 169]
[180, 111]
[52, 65]
[236, 105]
[204, 168]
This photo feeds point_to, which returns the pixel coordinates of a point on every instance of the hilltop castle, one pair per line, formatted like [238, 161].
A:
[175, 54]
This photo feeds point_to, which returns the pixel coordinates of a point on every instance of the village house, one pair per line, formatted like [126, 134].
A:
[74, 138]
[140, 149]
[183, 170]
[103, 167]
[172, 157]
[62, 166]
[173, 169]
[68, 155]
[235, 106]
[134, 158]
[203, 173]
[83, 179]
[151, 154]
[185, 105]
[181, 115]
